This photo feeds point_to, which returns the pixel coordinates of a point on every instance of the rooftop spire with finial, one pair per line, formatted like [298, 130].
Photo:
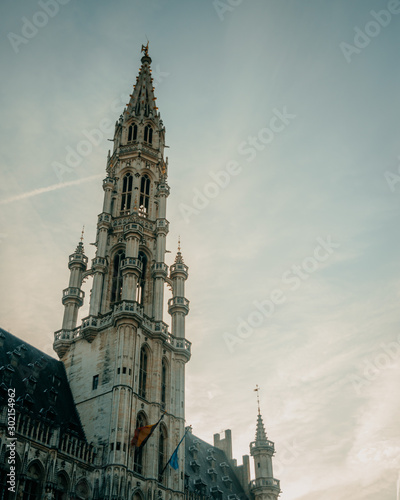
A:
[142, 100]
[261, 435]
[79, 248]
[179, 258]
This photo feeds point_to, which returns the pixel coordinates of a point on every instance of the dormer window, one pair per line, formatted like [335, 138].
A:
[132, 132]
[148, 134]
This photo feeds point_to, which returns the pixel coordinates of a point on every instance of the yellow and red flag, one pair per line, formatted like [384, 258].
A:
[142, 434]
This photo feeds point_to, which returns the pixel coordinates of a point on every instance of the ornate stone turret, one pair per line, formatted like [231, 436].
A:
[264, 486]
[178, 306]
[72, 298]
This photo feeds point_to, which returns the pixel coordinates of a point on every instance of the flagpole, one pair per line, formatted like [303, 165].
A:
[162, 472]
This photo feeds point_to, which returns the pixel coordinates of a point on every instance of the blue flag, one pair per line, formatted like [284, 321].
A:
[174, 460]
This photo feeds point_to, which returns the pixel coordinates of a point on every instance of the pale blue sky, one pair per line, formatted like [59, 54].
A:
[219, 83]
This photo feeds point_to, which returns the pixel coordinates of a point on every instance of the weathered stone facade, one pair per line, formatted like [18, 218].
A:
[122, 367]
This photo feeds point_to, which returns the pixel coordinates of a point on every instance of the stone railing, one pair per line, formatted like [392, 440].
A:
[179, 343]
[67, 334]
[178, 301]
[78, 257]
[267, 481]
[265, 443]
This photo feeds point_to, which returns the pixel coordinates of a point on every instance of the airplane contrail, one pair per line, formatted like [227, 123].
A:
[53, 187]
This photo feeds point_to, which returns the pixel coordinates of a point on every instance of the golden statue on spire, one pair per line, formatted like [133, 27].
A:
[145, 49]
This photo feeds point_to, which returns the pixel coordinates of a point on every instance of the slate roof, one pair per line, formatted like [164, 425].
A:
[41, 386]
[209, 472]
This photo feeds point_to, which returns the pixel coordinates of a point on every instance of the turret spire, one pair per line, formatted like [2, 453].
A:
[261, 435]
[262, 450]
[257, 390]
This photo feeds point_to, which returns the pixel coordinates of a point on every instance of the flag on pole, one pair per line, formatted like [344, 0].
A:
[142, 434]
[173, 461]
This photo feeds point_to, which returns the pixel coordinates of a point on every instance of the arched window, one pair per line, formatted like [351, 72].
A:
[144, 199]
[61, 487]
[132, 132]
[126, 199]
[33, 483]
[148, 134]
[162, 450]
[163, 381]
[143, 372]
[82, 490]
[116, 286]
[142, 280]
[138, 457]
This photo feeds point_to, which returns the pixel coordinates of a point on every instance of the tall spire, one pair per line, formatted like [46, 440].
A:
[142, 100]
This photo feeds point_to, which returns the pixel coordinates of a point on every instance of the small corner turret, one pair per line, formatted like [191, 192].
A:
[178, 305]
[262, 450]
[72, 298]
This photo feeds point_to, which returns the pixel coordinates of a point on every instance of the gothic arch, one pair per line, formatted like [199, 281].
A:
[82, 489]
[139, 453]
[33, 487]
[132, 132]
[144, 370]
[165, 380]
[62, 485]
[127, 191]
[117, 257]
[145, 187]
[137, 494]
[148, 132]
[144, 285]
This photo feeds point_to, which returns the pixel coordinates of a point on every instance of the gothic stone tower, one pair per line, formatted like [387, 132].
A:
[124, 366]
[264, 486]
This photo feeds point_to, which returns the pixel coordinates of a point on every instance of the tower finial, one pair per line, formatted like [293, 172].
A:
[83, 232]
[145, 49]
[179, 243]
[257, 390]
